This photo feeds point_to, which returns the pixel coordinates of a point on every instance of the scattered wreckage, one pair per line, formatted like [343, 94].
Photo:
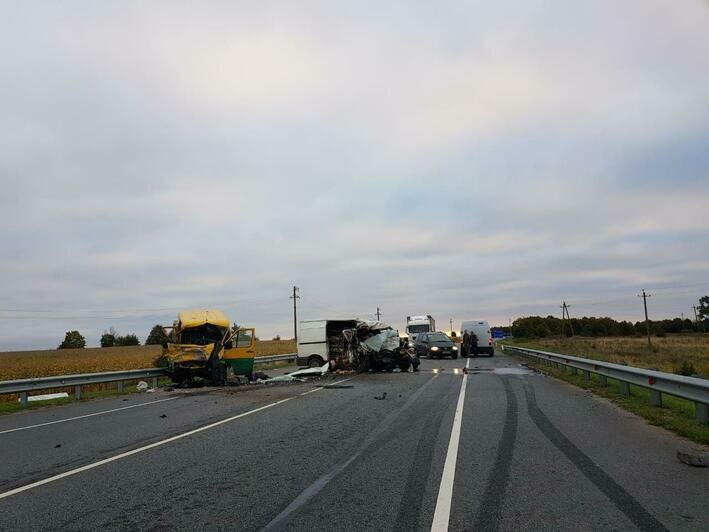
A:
[203, 344]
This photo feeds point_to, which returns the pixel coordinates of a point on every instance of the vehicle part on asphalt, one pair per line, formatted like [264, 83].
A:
[693, 460]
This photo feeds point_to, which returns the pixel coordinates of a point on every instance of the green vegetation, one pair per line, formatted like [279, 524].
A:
[73, 340]
[87, 393]
[156, 336]
[551, 326]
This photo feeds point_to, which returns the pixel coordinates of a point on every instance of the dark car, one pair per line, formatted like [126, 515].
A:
[435, 345]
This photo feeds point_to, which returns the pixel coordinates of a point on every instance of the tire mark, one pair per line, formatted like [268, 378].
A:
[409, 513]
[281, 520]
[623, 500]
[489, 512]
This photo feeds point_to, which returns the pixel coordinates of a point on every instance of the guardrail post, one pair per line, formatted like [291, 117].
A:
[701, 412]
[119, 386]
[603, 379]
[23, 399]
[77, 392]
[624, 388]
[573, 371]
[155, 382]
[655, 398]
[586, 375]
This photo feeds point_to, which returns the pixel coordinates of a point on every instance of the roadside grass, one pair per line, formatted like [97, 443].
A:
[668, 354]
[676, 415]
[110, 390]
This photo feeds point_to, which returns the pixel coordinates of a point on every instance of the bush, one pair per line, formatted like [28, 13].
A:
[157, 336]
[108, 340]
[686, 369]
[128, 339]
[73, 340]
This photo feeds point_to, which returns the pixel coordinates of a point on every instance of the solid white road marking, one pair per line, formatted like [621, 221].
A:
[86, 415]
[442, 513]
[152, 445]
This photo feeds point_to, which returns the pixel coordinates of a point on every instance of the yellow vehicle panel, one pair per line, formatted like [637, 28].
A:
[188, 354]
[244, 345]
[197, 317]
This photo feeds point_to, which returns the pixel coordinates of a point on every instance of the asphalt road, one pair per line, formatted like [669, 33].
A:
[498, 449]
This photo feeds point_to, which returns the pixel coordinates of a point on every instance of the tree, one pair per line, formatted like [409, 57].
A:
[108, 339]
[703, 308]
[72, 340]
[157, 336]
[128, 339]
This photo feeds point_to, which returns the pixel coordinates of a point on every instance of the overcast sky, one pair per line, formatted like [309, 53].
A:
[460, 159]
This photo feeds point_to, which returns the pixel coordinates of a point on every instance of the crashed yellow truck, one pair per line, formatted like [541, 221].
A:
[203, 343]
[353, 344]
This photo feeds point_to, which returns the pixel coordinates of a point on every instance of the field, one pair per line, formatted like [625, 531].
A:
[46, 363]
[667, 354]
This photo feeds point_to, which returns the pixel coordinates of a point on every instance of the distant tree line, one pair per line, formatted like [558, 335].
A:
[540, 327]
[110, 338]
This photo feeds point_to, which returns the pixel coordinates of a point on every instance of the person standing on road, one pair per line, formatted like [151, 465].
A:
[474, 343]
[466, 343]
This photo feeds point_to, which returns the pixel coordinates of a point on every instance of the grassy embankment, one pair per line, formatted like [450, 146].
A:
[668, 354]
[50, 362]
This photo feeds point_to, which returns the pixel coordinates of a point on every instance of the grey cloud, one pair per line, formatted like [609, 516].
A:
[457, 160]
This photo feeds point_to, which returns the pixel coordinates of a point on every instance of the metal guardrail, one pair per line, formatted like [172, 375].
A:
[691, 388]
[23, 386]
[275, 358]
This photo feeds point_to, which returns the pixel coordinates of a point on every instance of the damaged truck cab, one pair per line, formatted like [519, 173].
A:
[202, 343]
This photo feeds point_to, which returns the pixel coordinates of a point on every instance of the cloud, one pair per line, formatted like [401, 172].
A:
[464, 161]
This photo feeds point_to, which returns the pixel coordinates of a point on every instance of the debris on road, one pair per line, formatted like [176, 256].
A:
[163, 415]
[280, 378]
[141, 386]
[308, 372]
[381, 397]
[46, 396]
[693, 460]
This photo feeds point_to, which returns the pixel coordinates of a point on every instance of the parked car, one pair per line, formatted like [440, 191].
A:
[435, 345]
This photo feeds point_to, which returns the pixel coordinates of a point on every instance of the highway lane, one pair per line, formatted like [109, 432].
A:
[534, 454]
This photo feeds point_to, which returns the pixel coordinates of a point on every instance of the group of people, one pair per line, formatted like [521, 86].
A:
[470, 343]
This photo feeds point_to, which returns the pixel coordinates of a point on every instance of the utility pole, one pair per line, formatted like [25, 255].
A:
[647, 321]
[696, 319]
[295, 297]
[565, 315]
[378, 314]
[451, 326]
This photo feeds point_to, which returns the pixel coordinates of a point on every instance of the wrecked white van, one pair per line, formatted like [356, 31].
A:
[321, 340]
